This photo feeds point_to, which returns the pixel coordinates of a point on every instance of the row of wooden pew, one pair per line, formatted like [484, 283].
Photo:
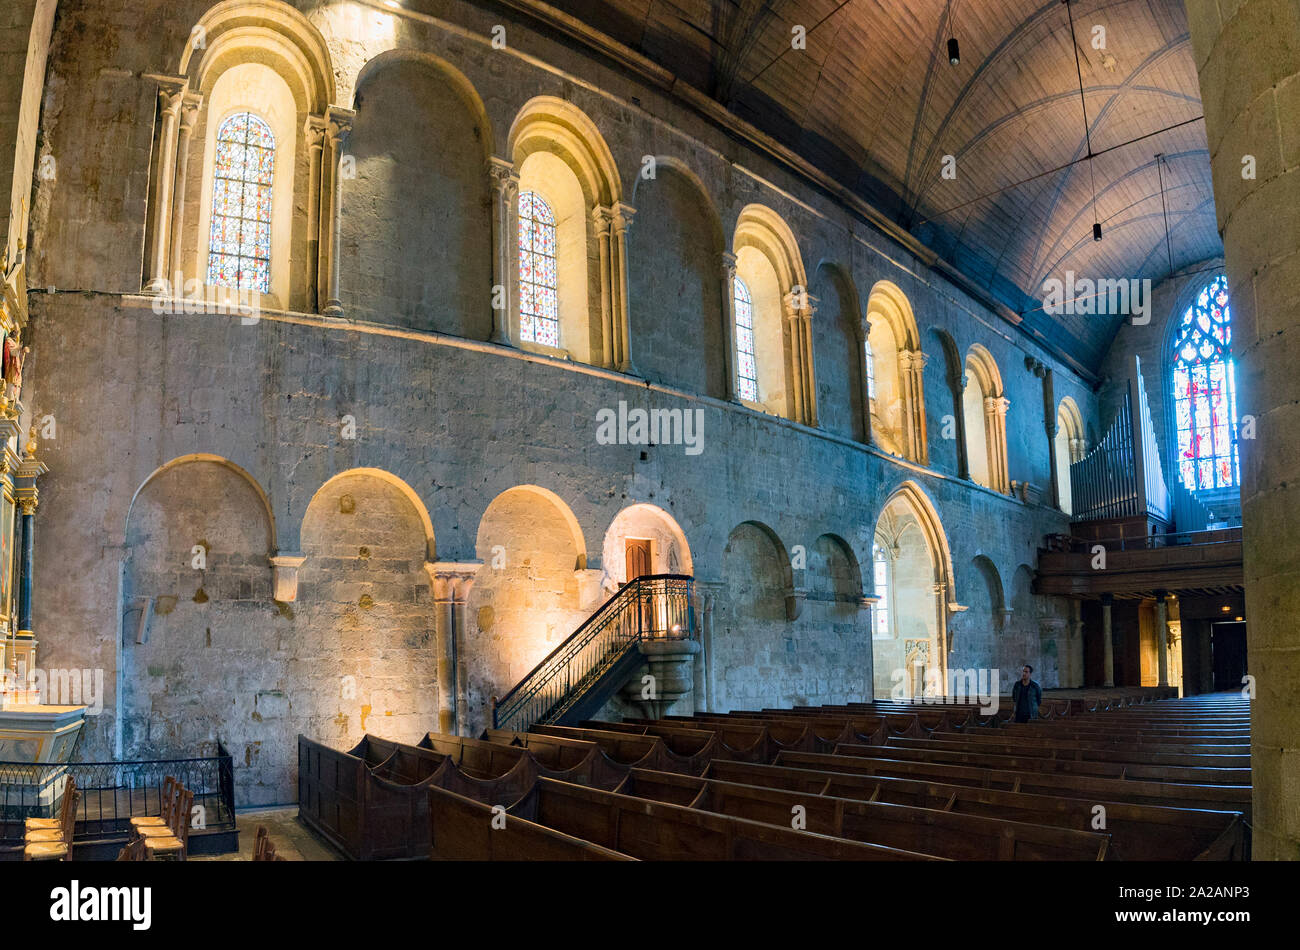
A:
[867, 781]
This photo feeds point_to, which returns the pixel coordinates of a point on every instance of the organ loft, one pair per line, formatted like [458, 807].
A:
[465, 429]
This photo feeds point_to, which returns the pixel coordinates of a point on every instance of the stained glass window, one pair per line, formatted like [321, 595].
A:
[746, 366]
[871, 374]
[539, 302]
[880, 563]
[1205, 392]
[239, 248]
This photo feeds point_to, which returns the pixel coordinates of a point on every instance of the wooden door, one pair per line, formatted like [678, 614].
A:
[638, 558]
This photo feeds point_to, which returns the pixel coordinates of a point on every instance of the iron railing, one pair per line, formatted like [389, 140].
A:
[112, 793]
[651, 607]
[1172, 539]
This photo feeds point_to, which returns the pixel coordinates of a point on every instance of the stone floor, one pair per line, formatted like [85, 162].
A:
[293, 840]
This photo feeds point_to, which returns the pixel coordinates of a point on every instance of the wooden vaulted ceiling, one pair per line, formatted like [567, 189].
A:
[873, 102]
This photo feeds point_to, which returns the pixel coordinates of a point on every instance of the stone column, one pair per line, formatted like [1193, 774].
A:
[995, 440]
[708, 592]
[864, 332]
[729, 323]
[1162, 637]
[171, 96]
[1107, 643]
[959, 413]
[338, 127]
[621, 220]
[314, 133]
[1249, 68]
[911, 368]
[190, 105]
[799, 310]
[27, 496]
[450, 582]
[1076, 644]
[505, 247]
[600, 221]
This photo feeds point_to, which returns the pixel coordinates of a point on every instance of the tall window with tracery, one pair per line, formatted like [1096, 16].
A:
[539, 302]
[880, 576]
[746, 364]
[239, 245]
[1205, 392]
[871, 374]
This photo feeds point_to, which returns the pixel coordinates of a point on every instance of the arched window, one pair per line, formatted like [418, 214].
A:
[239, 249]
[1205, 392]
[871, 375]
[746, 365]
[539, 299]
[880, 577]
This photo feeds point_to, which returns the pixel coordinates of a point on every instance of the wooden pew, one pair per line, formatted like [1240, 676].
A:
[1212, 797]
[570, 760]
[461, 829]
[640, 750]
[735, 742]
[1072, 751]
[1025, 763]
[1138, 832]
[666, 832]
[923, 830]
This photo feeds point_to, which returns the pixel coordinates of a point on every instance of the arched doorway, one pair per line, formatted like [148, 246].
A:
[912, 571]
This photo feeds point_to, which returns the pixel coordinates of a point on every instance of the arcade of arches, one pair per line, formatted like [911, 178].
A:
[324, 313]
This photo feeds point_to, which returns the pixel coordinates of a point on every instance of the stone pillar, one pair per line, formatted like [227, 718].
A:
[190, 105]
[1249, 67]
[864, 332]
[1162, 637]
[450, 582]
[911, 368]
[600, 221]
[1175, 634]
[995, 437]
[27, 496]
[1076, 644]
[314, 133]
[708, 592]
[729, 323]
[620, 220]
[338, 127]
[959, 414]
[1107, 642]
[171, 96]
[669, 664]
[799, 310]
[505, 247]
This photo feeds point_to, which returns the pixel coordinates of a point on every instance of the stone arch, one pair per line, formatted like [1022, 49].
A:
[898, 412]
[196, 614]
[532, 591]
[670, 553]
[388, 478]
[361, 651]
[1070, 445]
[415, 235]
[984, 406]
[752, 617]
[834, 580]
[954, 371]
[921, 592]
[558, 153]
[264, 58]
[676, 265]
[770, 267]
[987, 617]
[840, 350]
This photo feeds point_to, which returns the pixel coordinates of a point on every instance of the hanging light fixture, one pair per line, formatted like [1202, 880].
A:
[1096, 230]
[954, 50]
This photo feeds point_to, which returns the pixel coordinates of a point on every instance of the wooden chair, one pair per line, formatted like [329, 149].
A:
[167, 800]
[263, 848]
[171, 845]
[56, 823]
[42, 845]
[133, 851]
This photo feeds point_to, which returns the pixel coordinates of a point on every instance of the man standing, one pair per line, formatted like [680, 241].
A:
[1025, 696]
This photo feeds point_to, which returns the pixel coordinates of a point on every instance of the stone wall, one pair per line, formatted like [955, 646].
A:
[450, 447]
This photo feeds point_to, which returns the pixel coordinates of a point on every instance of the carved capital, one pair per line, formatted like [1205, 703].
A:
[505, 180]
[728, 266]
[314, 131]
[338, 125]
[451, 581]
